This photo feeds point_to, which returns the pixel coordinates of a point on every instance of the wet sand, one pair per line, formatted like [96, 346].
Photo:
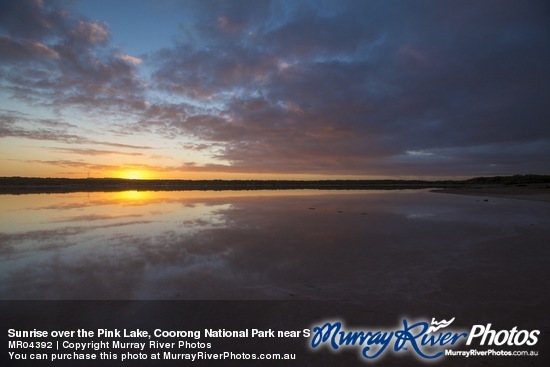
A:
[535, 192]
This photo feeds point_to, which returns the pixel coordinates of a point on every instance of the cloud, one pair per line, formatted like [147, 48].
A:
[227, 25]
[52, 57]
[14, 124]
[10, 127]
[83, 165]
[13, 50]
[91, 152]
[130, 59]
[90, 32]
[31, 19]
[354, 87]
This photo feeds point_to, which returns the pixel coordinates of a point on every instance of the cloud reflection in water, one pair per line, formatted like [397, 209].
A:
[247, 245]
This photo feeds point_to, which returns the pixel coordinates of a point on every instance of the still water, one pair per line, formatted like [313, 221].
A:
[307, 245]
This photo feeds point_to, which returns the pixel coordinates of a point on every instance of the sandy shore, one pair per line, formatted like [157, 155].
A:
[535, 192]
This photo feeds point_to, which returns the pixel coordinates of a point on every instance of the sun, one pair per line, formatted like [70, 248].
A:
[135, 175]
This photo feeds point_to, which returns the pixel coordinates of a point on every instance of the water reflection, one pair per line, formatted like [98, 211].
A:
[353, 246]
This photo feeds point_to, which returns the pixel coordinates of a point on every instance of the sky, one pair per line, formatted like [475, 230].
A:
[246, 89]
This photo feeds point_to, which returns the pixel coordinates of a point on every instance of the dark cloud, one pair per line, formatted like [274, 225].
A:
[31, 19]
[359, 87]
[24, 50]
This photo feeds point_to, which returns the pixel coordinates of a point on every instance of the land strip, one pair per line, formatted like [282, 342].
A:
[519, 185]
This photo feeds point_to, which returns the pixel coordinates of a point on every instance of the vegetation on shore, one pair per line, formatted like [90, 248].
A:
[510, 180]
[21, 185]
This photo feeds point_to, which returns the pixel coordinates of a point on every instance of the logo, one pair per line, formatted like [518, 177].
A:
[503, 337]
[425, 340]
[439, 325]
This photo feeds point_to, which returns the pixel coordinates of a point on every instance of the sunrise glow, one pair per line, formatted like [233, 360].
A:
[135, 175]
[131, 196]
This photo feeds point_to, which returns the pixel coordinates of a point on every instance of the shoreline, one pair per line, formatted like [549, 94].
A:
[533, 192]
[19, 186]
[535, 188]
[68, 189]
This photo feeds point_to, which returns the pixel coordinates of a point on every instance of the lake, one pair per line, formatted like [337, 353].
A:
[410, 246]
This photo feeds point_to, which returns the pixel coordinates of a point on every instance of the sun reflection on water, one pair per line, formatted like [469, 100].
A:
[132, 195]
